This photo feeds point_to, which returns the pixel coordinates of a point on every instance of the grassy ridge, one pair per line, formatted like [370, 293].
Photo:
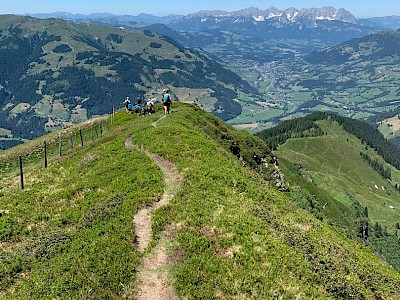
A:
[240, 239]
[69, 233]
[232, 235]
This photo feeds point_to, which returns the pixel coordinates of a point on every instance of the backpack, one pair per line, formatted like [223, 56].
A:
[166, 98]
[130, 106]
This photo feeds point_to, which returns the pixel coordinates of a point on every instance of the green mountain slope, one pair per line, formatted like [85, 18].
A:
[333, 161]
[55, 72]
[373, 47]
[69, 234]
[340, 178]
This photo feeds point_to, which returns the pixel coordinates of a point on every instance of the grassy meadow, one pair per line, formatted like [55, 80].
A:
[69, 234]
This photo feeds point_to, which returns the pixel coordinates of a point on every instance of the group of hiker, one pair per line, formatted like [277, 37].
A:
[142, 107]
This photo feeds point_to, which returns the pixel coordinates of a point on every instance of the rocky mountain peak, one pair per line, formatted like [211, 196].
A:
[290, 14]
[328, 13]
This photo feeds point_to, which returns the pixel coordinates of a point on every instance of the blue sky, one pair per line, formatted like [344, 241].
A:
[359, 8]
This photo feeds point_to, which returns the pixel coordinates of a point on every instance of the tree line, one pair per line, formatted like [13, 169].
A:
[377, 166]
[299, 127]
[377, 237]
[367, 133]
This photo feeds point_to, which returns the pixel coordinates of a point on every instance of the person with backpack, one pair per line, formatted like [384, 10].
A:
[150, 105]
[130, 108]
[166, 101]
[139, 100]
[128, 105]
[137, 108]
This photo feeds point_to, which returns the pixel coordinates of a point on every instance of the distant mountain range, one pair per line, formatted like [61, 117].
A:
[389, 22]
[141, 18]
[307, 17]
[328, 25]
[279, 18]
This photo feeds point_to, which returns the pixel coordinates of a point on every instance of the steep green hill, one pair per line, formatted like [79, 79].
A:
[229, 233]
[55, 72]
[370, 48]
[342, 178]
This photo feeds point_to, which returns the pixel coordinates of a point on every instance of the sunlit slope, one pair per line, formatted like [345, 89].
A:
[69, 235]
[333, 163]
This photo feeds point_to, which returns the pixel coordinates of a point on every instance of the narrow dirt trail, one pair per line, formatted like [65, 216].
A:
[153, 274]
[155, 123]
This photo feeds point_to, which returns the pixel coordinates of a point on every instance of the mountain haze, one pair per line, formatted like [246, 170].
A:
[108, 17]
[328, 25]
[388, 22]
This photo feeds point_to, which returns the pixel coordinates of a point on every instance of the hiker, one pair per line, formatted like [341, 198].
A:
[144, 109]
[130, 108]
[139, 100]
[166, 101]
[150, 105]
[137, 108]
[128, 105]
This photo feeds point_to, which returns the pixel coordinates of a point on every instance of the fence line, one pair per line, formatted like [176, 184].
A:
[45, 154]
[21, 172]
[48, 148]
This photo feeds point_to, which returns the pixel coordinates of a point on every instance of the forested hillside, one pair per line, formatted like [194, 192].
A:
[307, 126]
[55, 72]
[366, 49]
[229, 232]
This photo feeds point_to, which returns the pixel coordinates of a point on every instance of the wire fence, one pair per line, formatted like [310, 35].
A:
[52, 146]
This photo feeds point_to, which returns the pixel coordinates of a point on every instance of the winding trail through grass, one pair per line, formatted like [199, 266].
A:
[153, 274]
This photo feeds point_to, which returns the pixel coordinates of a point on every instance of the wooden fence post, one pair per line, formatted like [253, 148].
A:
[71, 142]
[21, 172]
[59, 143]
[45, 154]
[80, 134]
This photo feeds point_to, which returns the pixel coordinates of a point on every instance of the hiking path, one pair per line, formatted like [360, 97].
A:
[152, 275]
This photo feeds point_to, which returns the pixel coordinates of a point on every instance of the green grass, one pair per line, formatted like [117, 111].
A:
[255, 113]
[334, 163]
[69, 234]
[4, 131]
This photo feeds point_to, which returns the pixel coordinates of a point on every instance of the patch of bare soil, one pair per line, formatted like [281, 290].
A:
[153, 276]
